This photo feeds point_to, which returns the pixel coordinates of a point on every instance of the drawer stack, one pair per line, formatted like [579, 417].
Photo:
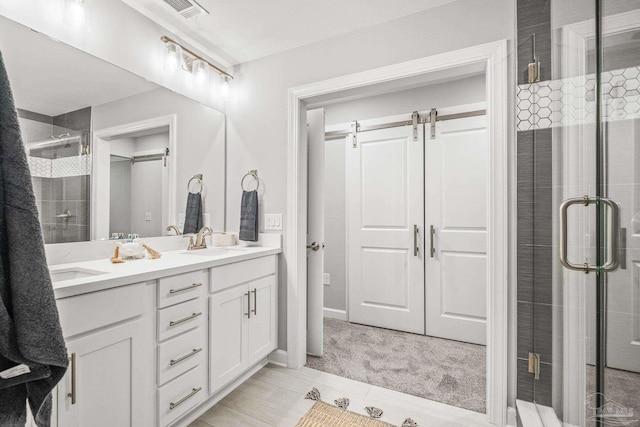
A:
[182, 344]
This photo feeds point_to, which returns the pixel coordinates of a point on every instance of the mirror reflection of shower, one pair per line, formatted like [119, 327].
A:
[58, 152]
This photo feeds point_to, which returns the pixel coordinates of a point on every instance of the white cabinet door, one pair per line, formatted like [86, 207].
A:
[107, 383]
[228, 335]
[457, 174]
[385, 217]
[262, 324]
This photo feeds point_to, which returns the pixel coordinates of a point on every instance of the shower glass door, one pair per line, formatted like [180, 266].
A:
[592, 107]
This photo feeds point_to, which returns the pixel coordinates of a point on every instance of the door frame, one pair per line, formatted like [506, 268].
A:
[502, 165]
[100, 153]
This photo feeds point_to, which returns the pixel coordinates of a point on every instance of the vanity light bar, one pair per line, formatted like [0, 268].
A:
[166, 39]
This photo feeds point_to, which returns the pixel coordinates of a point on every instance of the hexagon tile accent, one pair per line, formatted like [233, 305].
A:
[64, 166]
[572, 101]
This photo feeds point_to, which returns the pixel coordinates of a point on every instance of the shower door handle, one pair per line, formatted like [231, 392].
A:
[613, 228]
[611, 262]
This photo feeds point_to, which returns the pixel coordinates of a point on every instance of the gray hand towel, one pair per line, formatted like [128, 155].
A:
[249, 216]
[193, 218]
[30, 330]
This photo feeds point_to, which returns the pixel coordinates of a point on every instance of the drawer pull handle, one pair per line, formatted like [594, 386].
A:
[186, 288]
[194, 391]
[72, 395]
[184, 319]
[185, 357]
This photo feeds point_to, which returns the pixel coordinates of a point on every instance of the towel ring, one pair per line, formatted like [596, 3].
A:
[198, 178]
[254, 174]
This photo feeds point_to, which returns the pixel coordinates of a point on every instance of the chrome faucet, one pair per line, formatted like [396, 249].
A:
[174, 228]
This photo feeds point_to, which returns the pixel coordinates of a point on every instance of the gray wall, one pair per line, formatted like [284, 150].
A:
[120, 197]
[459, 92]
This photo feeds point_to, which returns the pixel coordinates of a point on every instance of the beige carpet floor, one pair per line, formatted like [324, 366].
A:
[446, 371]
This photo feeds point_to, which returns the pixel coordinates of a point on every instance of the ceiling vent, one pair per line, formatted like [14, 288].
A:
[187, 8]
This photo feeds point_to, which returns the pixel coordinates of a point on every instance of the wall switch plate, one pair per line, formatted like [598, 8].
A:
[181, 219]
[326, 278]
[207, 219]
[273, 222]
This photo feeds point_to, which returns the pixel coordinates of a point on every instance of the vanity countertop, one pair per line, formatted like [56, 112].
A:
[141, 270]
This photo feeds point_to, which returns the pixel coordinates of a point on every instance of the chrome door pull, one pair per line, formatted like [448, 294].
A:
[72, 395]
[611, 262]
[184, 319]
[185, 357]
[194, 391]
[432, 248]
[186, 288]
[255, 301]
[248, 313]
[416, 247]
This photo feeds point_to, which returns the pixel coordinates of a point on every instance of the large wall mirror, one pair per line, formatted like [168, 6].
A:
[110, 153]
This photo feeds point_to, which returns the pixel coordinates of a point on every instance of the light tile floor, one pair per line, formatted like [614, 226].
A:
[274, 396]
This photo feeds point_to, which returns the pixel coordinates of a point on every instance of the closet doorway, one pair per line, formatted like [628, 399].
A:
[397, 250]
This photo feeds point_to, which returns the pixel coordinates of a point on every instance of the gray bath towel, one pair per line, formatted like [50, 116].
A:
[30, 332]
[249, 216]
[193, 218]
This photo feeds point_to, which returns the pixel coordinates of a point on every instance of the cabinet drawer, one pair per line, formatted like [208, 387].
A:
[183, 287]
[95, 310]
[180, 354]
[240, 272]
[180, 395]
[180, 318]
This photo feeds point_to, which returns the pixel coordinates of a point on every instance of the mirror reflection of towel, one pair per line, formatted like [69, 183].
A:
[193, 218]
[249, 216]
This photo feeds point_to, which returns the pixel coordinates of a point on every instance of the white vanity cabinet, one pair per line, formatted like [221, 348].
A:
[109, 341]
[242, 318]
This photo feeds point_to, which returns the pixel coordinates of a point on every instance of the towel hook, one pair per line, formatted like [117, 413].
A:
[198, 178]
[253, 173]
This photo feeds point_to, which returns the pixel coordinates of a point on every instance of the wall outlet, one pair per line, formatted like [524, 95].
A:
[207, 219]
[326, 279]
[181, 219]
[147, 216]
[273, 222]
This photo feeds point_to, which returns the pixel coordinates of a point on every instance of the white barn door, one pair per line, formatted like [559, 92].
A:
[385, 199]
[456, 210]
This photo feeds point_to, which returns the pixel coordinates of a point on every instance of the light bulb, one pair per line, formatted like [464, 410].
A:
[173, 58]
[200, 70]
[75, 13]
[224, 90]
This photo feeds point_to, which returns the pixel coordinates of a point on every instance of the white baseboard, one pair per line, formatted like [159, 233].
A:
[332, 313]
[512, 417]
[279, 358]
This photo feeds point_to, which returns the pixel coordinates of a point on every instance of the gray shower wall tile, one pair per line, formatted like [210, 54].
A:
[525, 329]
[78, 120]
[543, 331]
[526, 388]
[532, 12]
[543, 385]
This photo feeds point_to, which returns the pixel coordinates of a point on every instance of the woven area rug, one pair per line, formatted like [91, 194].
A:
[324, 415]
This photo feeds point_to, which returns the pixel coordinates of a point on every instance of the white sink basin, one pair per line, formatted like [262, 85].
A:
[73, 273]
[213, 251]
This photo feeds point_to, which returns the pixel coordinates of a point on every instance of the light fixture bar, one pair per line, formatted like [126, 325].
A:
[166, 39]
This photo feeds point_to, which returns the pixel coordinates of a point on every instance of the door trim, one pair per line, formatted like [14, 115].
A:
[501, 220]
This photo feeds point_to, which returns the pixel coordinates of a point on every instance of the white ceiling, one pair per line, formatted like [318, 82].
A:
[52, 78]
[238, 31]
